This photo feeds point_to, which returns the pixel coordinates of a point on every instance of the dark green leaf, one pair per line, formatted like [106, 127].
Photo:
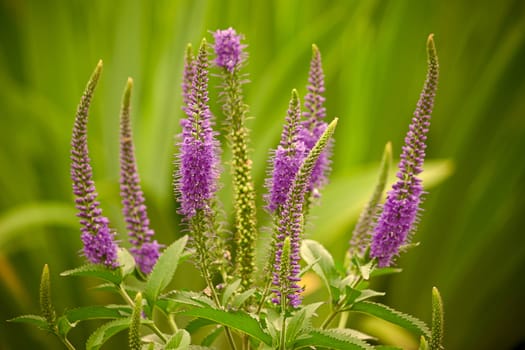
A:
[332, 339]
[196, 324]
[386, 313]
[35, 320]
[98, 271]
[106, 331]
[210, 338]
[238, 320]
[163, 271]
[98, 312]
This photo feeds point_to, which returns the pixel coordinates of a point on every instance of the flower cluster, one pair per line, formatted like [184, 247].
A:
[228, 49]
[98, 239]
[145, 251]
[199, 151]
[402, 204]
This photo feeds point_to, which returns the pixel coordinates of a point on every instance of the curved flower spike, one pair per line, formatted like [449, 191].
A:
[401, 208]
[98, 239]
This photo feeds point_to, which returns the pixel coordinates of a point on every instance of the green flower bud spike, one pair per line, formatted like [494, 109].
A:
[361, 235]
[134, 328]
[46, 307]
[436, 341]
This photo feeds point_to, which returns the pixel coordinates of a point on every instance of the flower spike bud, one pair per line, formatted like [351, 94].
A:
[230, 57]
[363, 228]
[98, 239]
[314, 125]
[144, 250]
[196, 180]
[189, 73]
[134, 328]
[401, 207]
[287, 158]
[436, 339]
[291, 225]
[46, 306]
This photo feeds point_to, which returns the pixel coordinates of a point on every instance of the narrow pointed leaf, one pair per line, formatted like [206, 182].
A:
[386, 313]
[98, 312]
[35, 320]
[163, 271]
[331, 339]
[97, 271]
[238, 320]
[105, 332]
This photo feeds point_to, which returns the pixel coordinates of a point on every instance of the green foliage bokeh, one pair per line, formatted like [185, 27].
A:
[472, 242]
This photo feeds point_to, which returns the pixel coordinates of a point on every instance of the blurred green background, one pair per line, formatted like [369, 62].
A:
[472, 231]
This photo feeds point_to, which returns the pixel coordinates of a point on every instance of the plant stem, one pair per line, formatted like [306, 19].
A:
[67, 343]
[172, 323]
[343, 319]
[283, 327]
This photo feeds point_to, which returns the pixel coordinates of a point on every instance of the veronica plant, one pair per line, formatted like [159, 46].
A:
[271, 313]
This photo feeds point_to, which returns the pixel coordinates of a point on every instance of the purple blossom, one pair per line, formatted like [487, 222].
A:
[314, 125]
[287, 158]
[134, 210]
[290, 224]
[228, 49]
[198, 158]
[401, 208]
[98, 239]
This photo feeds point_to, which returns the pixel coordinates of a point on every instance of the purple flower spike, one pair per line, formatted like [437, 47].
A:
[196, 180]
[98, 239]
[290, 223]
[287, 158]
[314, 125]
[401, 208]
[228, 49]
[144, 250]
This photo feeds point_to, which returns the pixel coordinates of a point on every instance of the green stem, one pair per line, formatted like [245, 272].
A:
[172, 323]
[264, 295]
[343, 320]
[283, 328]
[67, 343]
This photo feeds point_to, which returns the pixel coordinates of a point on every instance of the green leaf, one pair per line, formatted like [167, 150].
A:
[321, 261]
[238, 320]
[98, 271]
[197, 323]
[239, 299]
[229, 290]
[367, 294]
[126, 262]
[333, 339]
[35, 320]
[179, 341]
[64, 326]
[97, 312]
[210, 338]
[436, 339]
[163, 271]
[106, 331]
[382, 271]
[386, 313]
[177, 299]
[294, 326]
